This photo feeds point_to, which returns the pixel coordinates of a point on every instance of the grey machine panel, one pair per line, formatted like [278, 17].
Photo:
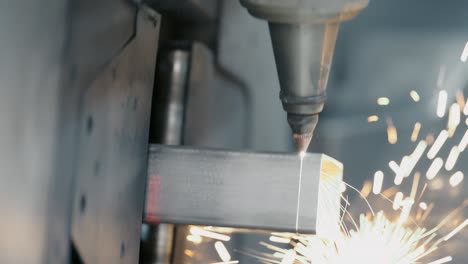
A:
[112, 162]
[237, 189]
[50, 51]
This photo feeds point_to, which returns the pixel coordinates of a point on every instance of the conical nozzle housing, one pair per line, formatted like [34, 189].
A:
[303, 55]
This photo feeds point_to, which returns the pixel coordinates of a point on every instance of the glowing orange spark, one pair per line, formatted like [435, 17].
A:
[442, 103]
[373, 118]
[414, 95]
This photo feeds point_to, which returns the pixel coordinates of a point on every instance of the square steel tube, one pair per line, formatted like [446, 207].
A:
[242, 189]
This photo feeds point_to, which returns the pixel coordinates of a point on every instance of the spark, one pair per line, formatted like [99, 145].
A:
[452, 158]
[405, 166]
[460, 99]
[298, 203]
[419, 150]
[400, 240]
[427, 211]
[398, 179]
[437, 184]
[189, 252]
[392, 134]
[373, 118]
[453, 213]
[442, 260]
[430, 139]
[434, 168]
[456, 230]
[415, 134]
[390, 191]
[342, 187]
[438, 143]
[423, 205]
[397, 200]
[394, 166]
[301, 249]
[289, 257]
[465, 109]
[209, 234]
[415, 157]
[463, 142]
[378, 181]
[453, 119]
[421, 194]
[390, 243]
[405, 212]
[196, 239]
[414, 187]
[464, 55]
[415, 96]
[383, 101]
[222, 251]
[302, 154]
[442, 103]
[366, 189]
[456, 178]
[282, 240]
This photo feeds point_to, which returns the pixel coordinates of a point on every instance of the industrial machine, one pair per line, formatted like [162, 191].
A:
[303, 34]
[85, 84]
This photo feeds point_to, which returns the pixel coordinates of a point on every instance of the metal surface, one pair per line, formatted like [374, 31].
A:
[111, 170]
[167, 123]
[49, 53]
[308, 11]
[203, 98]
[303, 54]
[157, 242]
[173, 127]
[193, 104]
[217, 110]
[170, 98]
[241, 189]
[191, 10]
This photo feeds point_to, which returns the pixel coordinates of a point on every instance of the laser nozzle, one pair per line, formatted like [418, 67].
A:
[302, 141]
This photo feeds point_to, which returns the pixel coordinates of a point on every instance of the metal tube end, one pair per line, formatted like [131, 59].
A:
[302, 141]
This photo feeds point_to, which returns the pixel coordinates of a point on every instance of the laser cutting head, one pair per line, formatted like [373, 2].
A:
[303, 34]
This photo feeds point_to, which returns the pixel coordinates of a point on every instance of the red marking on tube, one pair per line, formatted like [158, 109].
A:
[152, 199]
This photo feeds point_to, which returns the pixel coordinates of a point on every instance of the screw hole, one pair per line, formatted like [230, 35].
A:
[89, 124]
[82, 203]
[97, 167]
[135, 103]
[122, 250]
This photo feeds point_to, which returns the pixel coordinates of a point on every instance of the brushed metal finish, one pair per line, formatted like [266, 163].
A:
[236, 189]
[112, 161]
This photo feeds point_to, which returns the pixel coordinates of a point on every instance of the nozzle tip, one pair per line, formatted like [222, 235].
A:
[302, 141]
[302, 154]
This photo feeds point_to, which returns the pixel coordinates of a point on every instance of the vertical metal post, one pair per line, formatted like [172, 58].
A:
[169, 102]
